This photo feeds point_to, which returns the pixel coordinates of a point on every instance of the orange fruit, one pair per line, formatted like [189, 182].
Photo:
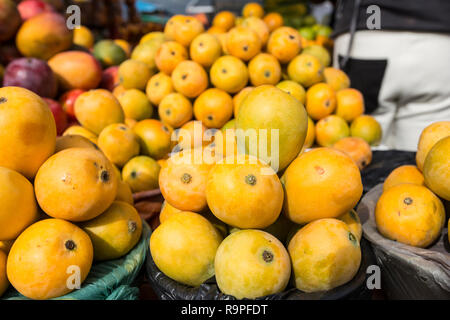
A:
[119, 143]
[320, 101]
[76, 184]
[273, 20]
[350, 104]
[169, 55]
[135, 104]
[154, 138]
[250, 264]
[436, 169]
[336, 78]
[306, 70]
[216, 30]
[83, 37]
[229, 73]
[171, 26]
[224, 20]
[18, 207]
[152, 35]
[368, 128]
[197, 237]
[321, 183]
[27, 131]
[183, 181]
[43, 36]
[243, 43]
[325, 254]
[167, 211]
[80, 131]
[146, 52]
[310, 135]
[284, 44]
[222, 37]
[130, 122]
[119, 89]
[225, 143]
[294, 89]
[264, 69]
[191, 135]
[239, 97]
[428, 138]
[214, 107]
[330, 130]
[259, 26]
[158, 87]
[357, 149]
[274, 111]
[96, 109]
[175, 110]
[141, 173]
[44, 257]
[252, 9]
[73, 141]
[403, 174]
[319, 52]
[134, 74]
[189, 78]
[115, 232]
[228, 180]
[76, 70]
[205, 49]
[352, 220]
[124, 192]
[410, 214]
[187, 29]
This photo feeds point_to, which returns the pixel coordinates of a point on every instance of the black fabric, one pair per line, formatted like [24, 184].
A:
[383, 162]
[401, 15]
[168, 289]
[366, 76]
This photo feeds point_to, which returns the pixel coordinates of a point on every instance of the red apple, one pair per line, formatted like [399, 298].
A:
[32, 74]
[110, 78]
[67, 102]
[59, 115]
[31, 8]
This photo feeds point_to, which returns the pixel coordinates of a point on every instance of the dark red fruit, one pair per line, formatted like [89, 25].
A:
[59, 115]
[32, 74]
[110, 78]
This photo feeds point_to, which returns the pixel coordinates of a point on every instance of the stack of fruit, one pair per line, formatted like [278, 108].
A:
[235, 215]
[62, 204]
[110, 94]
[411, 208]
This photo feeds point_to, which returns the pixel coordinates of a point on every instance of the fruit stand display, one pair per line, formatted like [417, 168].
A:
[237, 141]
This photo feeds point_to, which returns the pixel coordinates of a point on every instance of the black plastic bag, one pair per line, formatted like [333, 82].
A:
[168, 289]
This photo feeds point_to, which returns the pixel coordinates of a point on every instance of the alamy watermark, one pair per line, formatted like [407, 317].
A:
[373, 21]
[74, 18]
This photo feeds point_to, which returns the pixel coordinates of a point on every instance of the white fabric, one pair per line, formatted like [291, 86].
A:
[416, 86]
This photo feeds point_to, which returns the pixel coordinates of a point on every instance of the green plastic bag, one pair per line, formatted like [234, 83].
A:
[109, 280]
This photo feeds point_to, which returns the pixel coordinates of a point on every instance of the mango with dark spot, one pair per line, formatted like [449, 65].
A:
[76, 184]
[251, 264]
[325, 254]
